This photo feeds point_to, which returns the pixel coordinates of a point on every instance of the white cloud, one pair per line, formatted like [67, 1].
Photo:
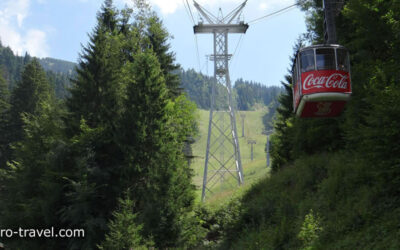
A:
[263, 6]
[14, 11]
[35, 43]
[170, 6]
[13, 32]
[273, 5]
[253, 9]
[167, 7]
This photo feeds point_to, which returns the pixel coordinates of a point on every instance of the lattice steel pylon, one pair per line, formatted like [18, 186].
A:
[223, 151]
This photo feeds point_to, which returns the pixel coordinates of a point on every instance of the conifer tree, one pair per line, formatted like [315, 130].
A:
[153, 35]
[127, 132]
[94, 108]
[124, 233]
[28, 96]
[4, 95]
[158, 37]
[154, 162]
[95, 91]
[32, 181]
[4, 107]
[282, 145]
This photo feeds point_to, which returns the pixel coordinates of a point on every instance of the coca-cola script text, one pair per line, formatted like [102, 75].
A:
[333, 81]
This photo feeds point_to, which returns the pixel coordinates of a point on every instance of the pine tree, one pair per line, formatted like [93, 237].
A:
[124, 232]
[4, 95]
[148, 26]
[95, 92]
[26, 98]
[28, 95]
[154, 162]
[33, 181]
[282, 140]
[127, 132]
[159, 36]
[94, 107]
[4, 107]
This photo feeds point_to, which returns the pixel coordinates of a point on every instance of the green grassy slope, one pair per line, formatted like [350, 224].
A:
[253, 170]
[324, 201]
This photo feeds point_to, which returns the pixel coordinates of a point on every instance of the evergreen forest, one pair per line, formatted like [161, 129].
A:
[105, 145]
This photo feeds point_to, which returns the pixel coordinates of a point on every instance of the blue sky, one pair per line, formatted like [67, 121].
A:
[57, 28]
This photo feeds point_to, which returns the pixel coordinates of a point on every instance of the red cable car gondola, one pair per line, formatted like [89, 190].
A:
[321, 81]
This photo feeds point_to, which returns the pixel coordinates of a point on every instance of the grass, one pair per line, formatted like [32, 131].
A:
[253, 170]
[351, 207]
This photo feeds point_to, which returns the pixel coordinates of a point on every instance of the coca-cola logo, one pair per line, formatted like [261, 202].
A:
[335, 81]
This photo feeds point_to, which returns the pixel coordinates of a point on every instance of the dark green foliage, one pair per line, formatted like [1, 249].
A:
[128, 128]
[59, 72]
[282, 140]
[336, 181]
[124, 231]
[4, 120]
[31, 191]
[337, 188]
[250, 93]
[58, 66]
[28, 96]
[11, 65]
[156, 170]
[94, 94]
[125, 127]
[270, 117]
[158, 37]
[198, 88]
[61, 83]
[295, 137]
[94, 107]
[33, 186]
[4, 97]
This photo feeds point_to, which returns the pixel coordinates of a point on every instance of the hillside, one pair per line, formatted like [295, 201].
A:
[58, 72]
[328, 201]
[196, 85]
[112, 160]
[246, 93]
[253, 170]
[58, 66]
[334, 182]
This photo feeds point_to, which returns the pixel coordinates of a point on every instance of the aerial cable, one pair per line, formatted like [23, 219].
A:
[233, 62]
[190, 14]
[197, 52]
[234, 52]
[273, 13]
[190, 11]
